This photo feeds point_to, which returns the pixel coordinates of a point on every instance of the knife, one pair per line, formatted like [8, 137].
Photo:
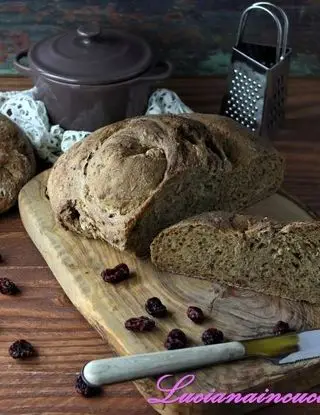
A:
[283, 349]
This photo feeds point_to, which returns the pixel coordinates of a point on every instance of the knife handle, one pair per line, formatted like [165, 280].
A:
[121, 369]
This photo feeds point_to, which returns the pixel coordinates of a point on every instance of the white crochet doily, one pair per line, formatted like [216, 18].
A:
[52, 140]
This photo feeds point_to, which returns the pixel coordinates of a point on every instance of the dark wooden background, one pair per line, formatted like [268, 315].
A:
[197, 35]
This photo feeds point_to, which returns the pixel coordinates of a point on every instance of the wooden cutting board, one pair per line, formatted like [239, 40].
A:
[76, 262]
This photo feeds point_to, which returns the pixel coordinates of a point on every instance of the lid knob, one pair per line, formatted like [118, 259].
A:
[89, 31]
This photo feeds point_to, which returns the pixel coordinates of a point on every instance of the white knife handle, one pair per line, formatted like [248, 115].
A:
[120, 369]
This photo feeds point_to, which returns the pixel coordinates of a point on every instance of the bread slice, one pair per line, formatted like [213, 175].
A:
[129, 180]
[244, 251]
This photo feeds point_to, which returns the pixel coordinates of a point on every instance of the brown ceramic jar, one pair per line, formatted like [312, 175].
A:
[89, 77]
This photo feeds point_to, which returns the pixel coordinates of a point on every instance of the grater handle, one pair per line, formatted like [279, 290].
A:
[285, 27]
[275, 18]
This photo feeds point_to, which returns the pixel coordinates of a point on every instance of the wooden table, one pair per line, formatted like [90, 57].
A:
[44, 315]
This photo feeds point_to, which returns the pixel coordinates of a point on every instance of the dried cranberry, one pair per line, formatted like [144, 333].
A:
[21, 349]
[195, 314]
[212, 336]
[84, 389]
[140, 324]
[177, 334]
[8, 287]
[155, 307]
[117, 274]
[176, 339]
[281, 328]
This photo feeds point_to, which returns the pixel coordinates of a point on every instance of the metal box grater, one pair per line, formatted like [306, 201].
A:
[257, 81]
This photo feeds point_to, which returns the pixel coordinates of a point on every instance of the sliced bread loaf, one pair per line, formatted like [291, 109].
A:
[243, 251]
[128, 181]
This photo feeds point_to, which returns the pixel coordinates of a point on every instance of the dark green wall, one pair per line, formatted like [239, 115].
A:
[197, 35]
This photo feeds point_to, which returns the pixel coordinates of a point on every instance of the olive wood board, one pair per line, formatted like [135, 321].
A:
[77, 262]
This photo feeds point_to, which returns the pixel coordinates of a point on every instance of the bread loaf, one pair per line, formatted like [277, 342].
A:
[128, 181]
[17, 162]
[244, 251]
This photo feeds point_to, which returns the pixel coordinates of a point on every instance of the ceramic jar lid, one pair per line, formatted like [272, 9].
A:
[91, 56]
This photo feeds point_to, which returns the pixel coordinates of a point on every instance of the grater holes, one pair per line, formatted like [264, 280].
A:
[244, 92]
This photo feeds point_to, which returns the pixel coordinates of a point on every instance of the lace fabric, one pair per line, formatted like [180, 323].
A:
[50, 141]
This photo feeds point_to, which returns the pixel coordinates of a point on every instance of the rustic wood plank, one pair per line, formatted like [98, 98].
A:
[43, 314]
[10, 221]
[76, 263]
[27, 389]
[19, 250]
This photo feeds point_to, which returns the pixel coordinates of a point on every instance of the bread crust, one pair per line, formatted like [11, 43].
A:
[129, 180]
[17, 162]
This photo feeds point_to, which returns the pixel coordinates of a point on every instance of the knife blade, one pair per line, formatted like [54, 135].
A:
[308, 348]
[288, 348]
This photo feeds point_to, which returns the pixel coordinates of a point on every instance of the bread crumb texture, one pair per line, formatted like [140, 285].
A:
[244, 251]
